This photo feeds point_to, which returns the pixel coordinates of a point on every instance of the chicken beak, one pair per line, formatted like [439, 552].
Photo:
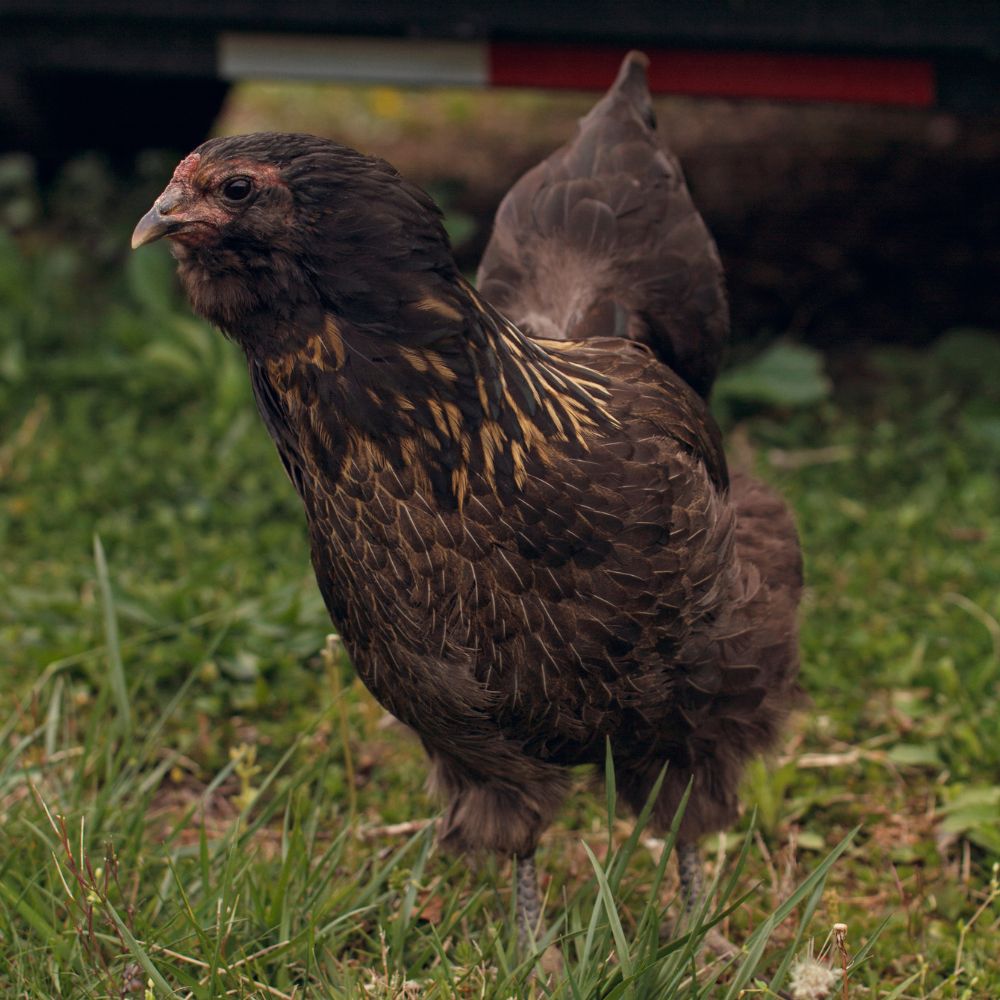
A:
[159, 221]
[151, 227]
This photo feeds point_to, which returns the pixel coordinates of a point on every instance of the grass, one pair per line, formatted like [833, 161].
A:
[198, 799]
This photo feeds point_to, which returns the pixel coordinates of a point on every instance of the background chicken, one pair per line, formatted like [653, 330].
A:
[530, 549]
[602, 239]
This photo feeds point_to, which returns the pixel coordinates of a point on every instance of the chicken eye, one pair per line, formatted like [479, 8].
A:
[237, 189]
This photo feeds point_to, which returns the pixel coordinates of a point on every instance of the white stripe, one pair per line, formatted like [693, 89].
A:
[385, 60]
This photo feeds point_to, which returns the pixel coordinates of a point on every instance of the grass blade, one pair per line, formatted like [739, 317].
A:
[608, 901]
[116, 669]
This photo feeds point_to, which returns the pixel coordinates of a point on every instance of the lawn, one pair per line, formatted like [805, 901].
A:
[198, 799]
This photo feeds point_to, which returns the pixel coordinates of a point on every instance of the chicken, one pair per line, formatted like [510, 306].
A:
[530, 548]
[602, 239]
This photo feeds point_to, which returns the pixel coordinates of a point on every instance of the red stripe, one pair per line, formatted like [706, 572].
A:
[789, 76]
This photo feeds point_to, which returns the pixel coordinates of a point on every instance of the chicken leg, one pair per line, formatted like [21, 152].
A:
[529, 903]
[692, 877]
[691, 871]
[530, 919]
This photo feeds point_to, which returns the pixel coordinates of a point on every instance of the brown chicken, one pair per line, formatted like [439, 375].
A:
[529, 547]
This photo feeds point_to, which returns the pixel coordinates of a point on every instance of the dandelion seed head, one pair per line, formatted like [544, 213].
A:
[812, 979]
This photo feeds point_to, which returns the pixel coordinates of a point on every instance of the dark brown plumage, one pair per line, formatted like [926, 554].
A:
[529, 548]
[602, 239]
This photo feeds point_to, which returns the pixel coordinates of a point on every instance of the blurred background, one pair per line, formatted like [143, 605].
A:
[846, 157]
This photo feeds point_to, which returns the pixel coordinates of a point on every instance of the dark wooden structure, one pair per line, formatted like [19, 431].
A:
[120, 74]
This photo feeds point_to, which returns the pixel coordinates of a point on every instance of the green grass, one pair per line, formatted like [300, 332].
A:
[196, 792]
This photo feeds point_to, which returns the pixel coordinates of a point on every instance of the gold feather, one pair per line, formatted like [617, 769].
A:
[334, 340]
[431, 304]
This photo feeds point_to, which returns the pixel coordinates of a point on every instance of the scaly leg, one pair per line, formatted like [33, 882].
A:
[530, 925]
[529, 903]
[692, 878]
